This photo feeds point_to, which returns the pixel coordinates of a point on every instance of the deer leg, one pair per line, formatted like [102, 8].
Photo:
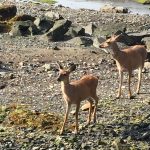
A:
[68, 106]
[120, 83]
[129, 81]
[139, 80]
[90, 111]
[95, 108]
[76, 116]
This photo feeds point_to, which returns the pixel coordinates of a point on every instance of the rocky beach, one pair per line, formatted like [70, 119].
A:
[34, 36]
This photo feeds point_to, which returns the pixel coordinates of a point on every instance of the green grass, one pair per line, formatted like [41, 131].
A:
[48, 1]
[143, 1]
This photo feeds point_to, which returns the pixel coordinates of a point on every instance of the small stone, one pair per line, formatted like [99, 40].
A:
[47, 67]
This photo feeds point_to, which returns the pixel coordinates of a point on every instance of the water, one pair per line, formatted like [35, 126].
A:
[134, 8]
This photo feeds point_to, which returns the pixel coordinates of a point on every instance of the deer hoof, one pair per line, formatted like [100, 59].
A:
[75, 132]
[61, 132]
[132, 97]
[118, 97]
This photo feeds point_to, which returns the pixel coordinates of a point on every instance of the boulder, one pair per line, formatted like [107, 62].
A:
[89, 29]
[23, 17]
[43, 24]
[108, 9]
[81, 41]
[133, 38]
[146, 41]
[5, 27]
[111, 9]
[56, 33]
[97, 41]
[7, 12]
[53, 15]
[107, 30]
[147, 65]
[75, 31]
[23, 28]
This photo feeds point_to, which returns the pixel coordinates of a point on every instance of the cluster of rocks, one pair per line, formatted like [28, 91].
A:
[54, 25]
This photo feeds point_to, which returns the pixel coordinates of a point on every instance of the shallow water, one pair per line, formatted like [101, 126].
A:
[133, 7]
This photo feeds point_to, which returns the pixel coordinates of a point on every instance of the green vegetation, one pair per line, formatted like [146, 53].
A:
[143, 1]
[22, 116]
[48, 1]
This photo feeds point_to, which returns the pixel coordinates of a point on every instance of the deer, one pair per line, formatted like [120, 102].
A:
[76, 91]
[127, 60]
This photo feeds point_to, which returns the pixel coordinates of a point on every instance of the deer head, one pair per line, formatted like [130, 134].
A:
[64, 73]
[109, 41]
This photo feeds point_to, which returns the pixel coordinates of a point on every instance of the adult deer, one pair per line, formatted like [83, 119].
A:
[76, 91]
[128, 60]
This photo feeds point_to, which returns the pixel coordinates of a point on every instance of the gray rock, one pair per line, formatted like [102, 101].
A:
[89, 29]
[7, 12]
[57, 32]
[4, 27]
[97, 41]
[23, 28]
[53, 15]
[107, 30]
[147, 65]
[81, 41]
[111, 9]
[75, 31]
[47, 67]
[43, 24]
[146, 41]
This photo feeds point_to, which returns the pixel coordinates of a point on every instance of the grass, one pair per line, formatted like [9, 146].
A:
[22, 116]
[48, 1]
[143, 1]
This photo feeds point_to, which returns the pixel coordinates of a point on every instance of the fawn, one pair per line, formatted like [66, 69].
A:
[128, 60]
[76, 91]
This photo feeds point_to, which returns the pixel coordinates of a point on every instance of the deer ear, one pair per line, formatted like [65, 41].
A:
[72, 68]
[59, 66]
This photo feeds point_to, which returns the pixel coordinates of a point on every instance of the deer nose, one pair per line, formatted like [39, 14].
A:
[100, 46]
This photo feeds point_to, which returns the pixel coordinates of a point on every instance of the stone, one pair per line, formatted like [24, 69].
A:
[47, 67]
[75, 31]
[89, 29]
[23, 17]
[23, 28]
[147, 65]
[56, 33]
[2, 85]
[107, 30]
[7, 12]
[108, 9]
[43, 24]
[81, 41]
[97, 41]
[111, 9]
[146, 41]
[4, 27]
[53, 15]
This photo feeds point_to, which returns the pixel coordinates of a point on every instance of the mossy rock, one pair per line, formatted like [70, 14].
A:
[5, 27]
[143, 1]
[23, 17]
[7, 12]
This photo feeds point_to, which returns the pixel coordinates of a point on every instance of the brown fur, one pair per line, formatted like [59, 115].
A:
[127, 59]
[77, 91]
